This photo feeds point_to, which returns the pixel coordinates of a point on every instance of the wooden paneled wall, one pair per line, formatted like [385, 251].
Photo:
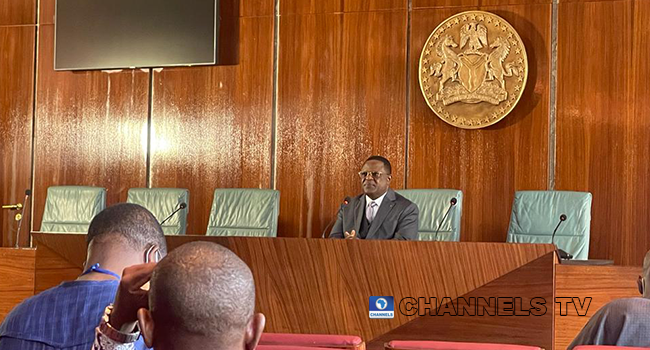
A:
[322, 84]
[17, 40]
[603, 119]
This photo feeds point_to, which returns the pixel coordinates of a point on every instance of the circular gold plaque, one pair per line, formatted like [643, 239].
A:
[473, 69]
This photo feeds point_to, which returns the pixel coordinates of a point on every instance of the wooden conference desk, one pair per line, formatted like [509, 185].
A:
[323, 286]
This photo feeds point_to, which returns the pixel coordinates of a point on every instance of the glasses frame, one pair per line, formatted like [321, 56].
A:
[372, 174]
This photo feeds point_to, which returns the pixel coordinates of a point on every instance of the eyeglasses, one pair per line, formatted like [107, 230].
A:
[375, 174]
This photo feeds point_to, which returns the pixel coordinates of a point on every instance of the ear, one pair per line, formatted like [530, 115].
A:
[641, 284]
[145, 321]
[254, 331]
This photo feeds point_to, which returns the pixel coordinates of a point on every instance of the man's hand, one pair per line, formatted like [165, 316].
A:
[131, 297]
[350, 235]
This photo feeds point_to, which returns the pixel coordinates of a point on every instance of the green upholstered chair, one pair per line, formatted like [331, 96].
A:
[535, 214]
[433, 204]
[244, 212]
[161, 202]
[71, 208]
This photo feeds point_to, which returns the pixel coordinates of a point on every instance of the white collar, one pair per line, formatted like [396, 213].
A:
[378, 200]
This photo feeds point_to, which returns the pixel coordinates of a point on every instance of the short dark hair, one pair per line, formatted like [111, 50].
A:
[202, 288]
[387, 166]
[131, 222]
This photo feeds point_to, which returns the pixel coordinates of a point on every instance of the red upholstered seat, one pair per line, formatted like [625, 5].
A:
[605, 347]
[314, 340]
[290, 347]
[445, 345]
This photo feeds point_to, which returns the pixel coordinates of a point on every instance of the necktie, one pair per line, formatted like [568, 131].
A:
[370, 212]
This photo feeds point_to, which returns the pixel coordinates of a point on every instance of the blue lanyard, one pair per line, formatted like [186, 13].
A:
[96, 268]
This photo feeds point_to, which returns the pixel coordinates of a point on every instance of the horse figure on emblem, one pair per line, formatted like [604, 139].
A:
[448, 67]
[495, 69]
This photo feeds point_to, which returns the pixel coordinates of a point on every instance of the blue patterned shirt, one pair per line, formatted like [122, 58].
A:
[63, 317]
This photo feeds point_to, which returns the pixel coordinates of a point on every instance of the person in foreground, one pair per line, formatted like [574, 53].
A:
[379, 212]
[621, 322]
[64, 317]
[202, 296]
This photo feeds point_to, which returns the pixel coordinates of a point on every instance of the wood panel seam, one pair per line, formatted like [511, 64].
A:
[552, 136]
[274, 98]
[409, 27]
[147, 173]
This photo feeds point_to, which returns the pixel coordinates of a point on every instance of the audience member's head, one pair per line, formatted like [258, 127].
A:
[122, 234]
[644, 279]
[201, 294]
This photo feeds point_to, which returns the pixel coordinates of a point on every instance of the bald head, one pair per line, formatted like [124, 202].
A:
[202, 289]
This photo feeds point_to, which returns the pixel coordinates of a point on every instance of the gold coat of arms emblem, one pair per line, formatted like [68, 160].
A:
[473, 69]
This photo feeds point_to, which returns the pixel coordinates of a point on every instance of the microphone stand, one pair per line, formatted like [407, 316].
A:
[452, 202]
[561, 253]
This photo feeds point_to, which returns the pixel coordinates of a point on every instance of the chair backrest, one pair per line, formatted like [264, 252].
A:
[433, 204]
[161, 202]
[535, 214]
[332, 341]
[244, 212]
[447, 345]
[71, 208]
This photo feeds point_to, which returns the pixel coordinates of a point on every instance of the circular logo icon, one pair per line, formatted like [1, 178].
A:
[381, 303]
[473, 69]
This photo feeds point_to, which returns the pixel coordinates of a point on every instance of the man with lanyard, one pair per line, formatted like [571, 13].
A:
[65, 317]
[202, 296]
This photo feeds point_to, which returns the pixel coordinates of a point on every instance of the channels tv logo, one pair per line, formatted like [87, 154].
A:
[381, 307]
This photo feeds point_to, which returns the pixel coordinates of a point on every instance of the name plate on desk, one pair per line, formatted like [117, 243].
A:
[590, 262]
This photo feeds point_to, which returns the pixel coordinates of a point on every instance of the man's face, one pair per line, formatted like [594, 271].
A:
[376, 181]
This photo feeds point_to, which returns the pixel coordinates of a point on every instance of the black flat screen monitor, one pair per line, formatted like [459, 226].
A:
[113, 34]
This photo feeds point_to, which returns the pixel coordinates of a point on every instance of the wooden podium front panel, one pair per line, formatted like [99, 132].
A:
[17, 282]
[601, 283]
[323, 286]
[511, 322]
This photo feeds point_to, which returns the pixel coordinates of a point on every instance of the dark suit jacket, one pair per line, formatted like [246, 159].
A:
[397, 218]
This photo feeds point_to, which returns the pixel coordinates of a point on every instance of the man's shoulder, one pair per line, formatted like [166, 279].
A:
[356, 199]
[628, 305]
[69, 304]
[403, 201]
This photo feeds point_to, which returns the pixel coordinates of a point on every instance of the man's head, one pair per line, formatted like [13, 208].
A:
[126, 230]
[201, 294]
[375, 176]
[644, 279]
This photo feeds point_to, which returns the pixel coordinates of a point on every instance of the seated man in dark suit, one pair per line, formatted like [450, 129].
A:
[621, 322]
[64, 317]
[379, 212]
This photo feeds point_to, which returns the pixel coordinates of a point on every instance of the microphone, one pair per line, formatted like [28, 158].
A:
[345, 202]
[180, 207]
[452, 202]
[563, 255]
[19, 216]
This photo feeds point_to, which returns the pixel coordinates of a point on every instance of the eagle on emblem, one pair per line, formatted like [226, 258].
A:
[474, 35]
